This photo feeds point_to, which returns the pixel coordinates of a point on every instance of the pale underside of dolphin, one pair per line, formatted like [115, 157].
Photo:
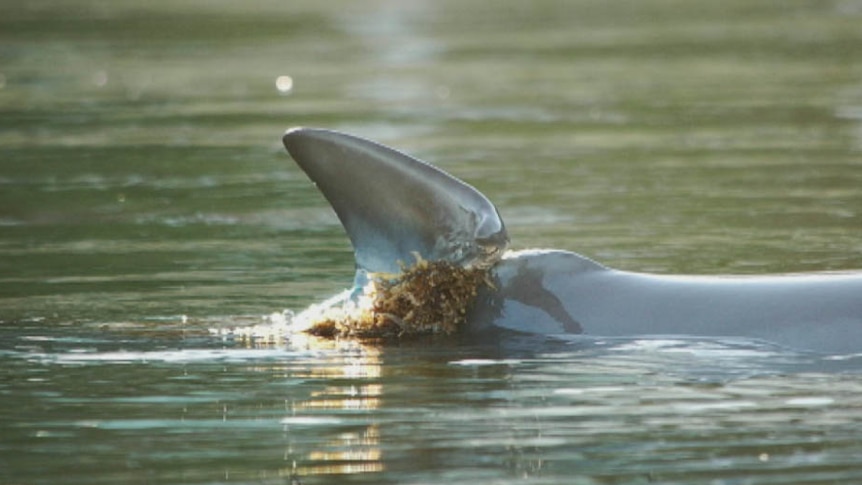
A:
[393, 205]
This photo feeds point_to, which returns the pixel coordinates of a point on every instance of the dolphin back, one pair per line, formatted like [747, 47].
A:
[395, 207]
[559, 292]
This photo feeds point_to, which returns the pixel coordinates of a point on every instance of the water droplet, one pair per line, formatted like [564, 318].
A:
[284, 84]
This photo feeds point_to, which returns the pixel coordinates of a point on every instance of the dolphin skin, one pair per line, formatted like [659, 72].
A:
[394, 206]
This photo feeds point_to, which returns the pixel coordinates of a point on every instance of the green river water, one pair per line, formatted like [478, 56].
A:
[145, 197]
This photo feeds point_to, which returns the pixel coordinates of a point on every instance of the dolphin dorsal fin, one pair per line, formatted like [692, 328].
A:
[394, 206]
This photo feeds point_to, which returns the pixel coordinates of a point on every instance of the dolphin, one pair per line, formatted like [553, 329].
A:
[394, 206]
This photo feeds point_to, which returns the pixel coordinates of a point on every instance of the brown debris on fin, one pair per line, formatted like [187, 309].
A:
[429, 297]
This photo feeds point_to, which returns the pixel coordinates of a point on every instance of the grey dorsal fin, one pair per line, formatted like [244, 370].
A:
[393, 205]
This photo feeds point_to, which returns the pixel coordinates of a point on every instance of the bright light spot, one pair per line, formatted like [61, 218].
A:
[764, 457]
[810, 401]
[100, 78]
[284, 84]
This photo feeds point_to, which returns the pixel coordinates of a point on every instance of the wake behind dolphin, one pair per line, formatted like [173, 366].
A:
[395, 207]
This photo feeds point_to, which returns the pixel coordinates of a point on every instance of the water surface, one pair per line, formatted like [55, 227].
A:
[145, 198]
